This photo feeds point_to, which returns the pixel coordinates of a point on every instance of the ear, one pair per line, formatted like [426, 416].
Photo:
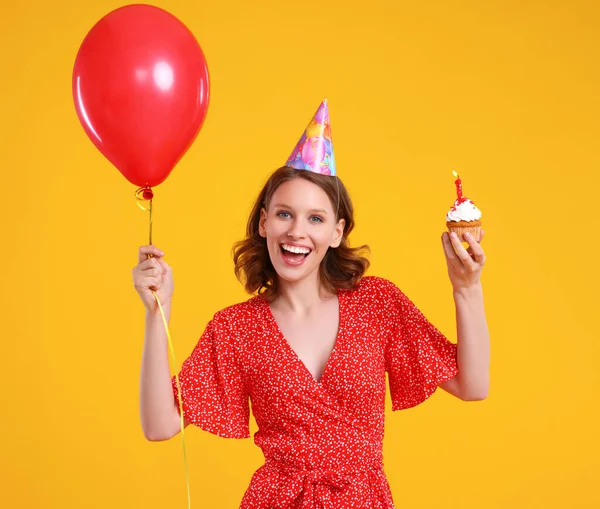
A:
[262, 229]
[338, 233]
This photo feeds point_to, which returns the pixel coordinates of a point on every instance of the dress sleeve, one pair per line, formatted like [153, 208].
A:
[418, 356]
[214, 394]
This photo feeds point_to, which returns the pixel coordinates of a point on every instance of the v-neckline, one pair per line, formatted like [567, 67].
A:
[292, 352]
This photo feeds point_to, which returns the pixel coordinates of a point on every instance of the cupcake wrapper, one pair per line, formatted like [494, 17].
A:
[461, 230]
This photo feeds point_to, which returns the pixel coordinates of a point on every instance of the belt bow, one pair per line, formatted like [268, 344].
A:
[314, 486]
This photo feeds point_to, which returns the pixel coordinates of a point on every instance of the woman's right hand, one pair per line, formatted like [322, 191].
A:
[153, 275]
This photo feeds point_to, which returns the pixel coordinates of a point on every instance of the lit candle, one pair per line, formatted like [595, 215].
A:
[458, 185]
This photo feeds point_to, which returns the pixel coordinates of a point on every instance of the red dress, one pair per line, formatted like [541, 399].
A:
[322, 441]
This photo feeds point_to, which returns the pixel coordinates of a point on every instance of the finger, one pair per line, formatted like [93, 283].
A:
[151, 282]
[149, 263]
[163, 265]
[461, 252]
[140, 280]
[451, 255]
[145, 251]
[153, 272]
[475, 250]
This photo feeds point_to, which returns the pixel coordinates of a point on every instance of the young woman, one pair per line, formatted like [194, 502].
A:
[312, 348]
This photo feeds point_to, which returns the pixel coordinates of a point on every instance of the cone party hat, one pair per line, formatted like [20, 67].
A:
[314, 151]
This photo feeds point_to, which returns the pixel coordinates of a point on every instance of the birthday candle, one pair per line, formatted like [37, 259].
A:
[458, 184]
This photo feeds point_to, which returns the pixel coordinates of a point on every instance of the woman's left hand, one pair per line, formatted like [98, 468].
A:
[464, 265]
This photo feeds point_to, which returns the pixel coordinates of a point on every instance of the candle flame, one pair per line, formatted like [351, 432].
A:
[455, 174]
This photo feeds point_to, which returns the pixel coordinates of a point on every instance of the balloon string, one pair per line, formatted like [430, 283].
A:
[150, 225]
[173, 361]
[181, 421]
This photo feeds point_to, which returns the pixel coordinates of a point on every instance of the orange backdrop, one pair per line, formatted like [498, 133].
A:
[504, 92]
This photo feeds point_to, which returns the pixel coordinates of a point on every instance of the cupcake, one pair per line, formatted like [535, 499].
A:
[464, 216]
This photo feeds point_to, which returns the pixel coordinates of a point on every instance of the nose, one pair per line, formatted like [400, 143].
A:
[296, 230]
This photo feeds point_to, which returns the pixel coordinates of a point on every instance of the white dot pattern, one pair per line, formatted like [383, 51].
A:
[322, 440]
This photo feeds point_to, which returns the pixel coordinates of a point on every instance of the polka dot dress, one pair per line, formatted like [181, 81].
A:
[322, 440]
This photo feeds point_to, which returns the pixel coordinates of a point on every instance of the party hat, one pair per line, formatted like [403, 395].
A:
[314, 151]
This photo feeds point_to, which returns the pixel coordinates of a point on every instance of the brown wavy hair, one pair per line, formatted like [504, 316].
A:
[341, 268]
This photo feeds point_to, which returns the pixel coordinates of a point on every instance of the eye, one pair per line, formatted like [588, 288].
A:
[283, 214]
[316, 219]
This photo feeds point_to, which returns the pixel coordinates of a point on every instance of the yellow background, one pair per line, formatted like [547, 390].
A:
[504, 92]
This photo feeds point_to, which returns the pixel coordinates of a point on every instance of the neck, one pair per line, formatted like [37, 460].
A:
[301, 296]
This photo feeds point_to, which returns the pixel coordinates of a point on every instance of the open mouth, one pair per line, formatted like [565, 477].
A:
[294, 254]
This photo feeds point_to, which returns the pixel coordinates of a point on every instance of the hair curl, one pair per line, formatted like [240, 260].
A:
[341, 268]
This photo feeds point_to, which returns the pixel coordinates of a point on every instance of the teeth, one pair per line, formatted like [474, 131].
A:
[295, 249]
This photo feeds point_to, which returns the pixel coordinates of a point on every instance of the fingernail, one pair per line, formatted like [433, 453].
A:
[467, 234]
[162, 253]
[453, 235]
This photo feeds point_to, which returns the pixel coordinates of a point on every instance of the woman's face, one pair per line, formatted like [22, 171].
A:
[300, 226]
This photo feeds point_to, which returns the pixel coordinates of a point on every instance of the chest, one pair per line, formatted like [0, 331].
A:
[311, 338]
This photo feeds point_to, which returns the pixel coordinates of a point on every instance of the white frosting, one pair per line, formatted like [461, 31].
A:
[466, 211]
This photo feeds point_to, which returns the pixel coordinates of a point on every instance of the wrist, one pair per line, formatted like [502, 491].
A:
[474, 291]
[155, 312]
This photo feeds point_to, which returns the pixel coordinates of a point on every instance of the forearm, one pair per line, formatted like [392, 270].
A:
[159, 416]
[473, 354]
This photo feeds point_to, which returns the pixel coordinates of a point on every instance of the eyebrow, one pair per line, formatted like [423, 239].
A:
[284, 206]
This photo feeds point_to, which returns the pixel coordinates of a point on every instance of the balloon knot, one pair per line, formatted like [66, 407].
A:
[144, 193]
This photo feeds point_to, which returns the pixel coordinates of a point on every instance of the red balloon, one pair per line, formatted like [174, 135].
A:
[141, 87]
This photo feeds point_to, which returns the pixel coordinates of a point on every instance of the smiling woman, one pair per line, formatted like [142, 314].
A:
[312, 348]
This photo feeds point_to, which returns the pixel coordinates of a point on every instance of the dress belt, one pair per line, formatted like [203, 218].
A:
[314, 486]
